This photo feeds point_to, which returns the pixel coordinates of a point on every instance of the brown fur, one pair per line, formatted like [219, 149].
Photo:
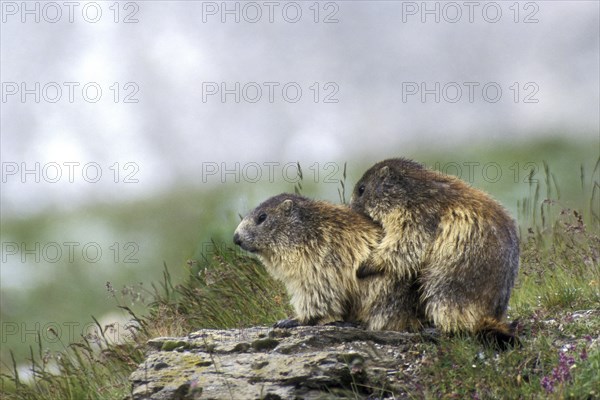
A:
[314, 248]
[391, 303]
[459, 244]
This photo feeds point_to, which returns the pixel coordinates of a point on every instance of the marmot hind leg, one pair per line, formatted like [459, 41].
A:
[393, 305]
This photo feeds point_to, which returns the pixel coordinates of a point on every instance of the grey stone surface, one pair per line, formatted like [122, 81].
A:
[265, 363]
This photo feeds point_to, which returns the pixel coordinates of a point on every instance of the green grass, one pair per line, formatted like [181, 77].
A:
[90, 368]
[556, 303]
[461, 369]
[224, 289]
[556, 298]
[179, 225]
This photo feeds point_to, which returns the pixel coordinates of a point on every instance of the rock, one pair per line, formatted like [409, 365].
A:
[267, 363]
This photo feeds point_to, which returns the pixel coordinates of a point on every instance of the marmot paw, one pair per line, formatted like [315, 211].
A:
[287, 323]
[343, 324]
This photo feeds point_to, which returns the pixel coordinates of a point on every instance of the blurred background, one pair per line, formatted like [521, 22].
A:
[134, 134]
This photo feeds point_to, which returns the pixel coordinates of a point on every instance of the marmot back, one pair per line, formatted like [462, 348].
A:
[460, 244]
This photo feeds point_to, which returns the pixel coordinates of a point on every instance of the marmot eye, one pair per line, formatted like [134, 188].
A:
[361, 190]
[261, 218]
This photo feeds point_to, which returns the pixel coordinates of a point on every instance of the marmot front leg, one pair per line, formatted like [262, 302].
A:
[367, 269]
[374, 265]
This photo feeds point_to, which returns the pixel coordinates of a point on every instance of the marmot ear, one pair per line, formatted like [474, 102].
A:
[383, 171]
[286, 205]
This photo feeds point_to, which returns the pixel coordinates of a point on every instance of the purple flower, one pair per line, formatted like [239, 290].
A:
[547, 384]
[561, 373]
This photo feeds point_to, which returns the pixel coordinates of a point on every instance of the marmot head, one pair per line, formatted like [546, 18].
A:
[275, 224]
[388, 184]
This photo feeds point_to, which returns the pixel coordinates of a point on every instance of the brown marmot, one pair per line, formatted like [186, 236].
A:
[459, 243]
[314, 248]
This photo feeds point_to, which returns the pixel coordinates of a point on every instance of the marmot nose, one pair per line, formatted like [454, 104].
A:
[236, 239]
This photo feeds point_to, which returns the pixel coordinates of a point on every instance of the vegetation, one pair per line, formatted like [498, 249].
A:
[224, 290]
[556, 304]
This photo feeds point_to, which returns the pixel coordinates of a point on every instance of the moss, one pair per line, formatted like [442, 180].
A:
[264, 344]
[170, 345]
[241, 348]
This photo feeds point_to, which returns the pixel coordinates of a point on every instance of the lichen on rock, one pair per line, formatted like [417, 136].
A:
[267, 363]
